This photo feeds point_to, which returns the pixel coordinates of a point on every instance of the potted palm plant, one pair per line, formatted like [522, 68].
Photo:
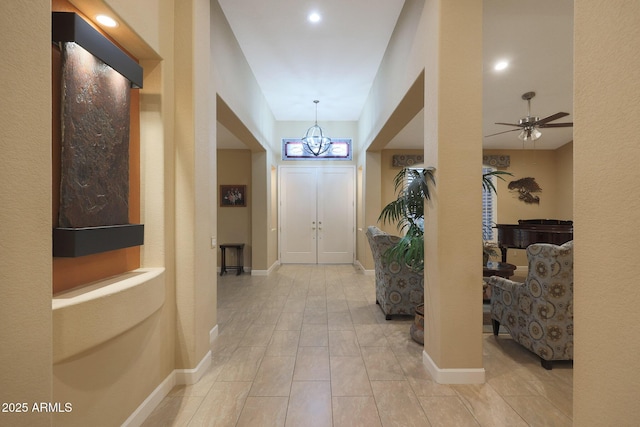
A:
[489, 249]
[407, 212]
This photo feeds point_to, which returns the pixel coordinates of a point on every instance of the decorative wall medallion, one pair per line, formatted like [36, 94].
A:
[407, 160]
[524, 187]
[496, 161]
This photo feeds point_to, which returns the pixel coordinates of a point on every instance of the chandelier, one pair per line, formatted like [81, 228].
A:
[314, 141]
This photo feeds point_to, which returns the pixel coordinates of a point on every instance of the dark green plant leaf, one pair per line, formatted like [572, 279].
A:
[487, 182]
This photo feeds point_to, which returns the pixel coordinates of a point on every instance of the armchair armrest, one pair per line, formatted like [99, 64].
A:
[504, 284]
[503, 301]
[506, 293]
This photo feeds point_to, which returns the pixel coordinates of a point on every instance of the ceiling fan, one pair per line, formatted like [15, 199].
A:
[528, 126]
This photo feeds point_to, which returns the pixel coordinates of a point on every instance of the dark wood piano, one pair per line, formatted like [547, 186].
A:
[528, 231]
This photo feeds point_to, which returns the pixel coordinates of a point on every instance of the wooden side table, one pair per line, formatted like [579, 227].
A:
[502, 269]
[239, 247]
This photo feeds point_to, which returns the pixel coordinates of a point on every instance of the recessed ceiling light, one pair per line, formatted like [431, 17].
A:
[107, 21]
[501, 65]
[314, 17]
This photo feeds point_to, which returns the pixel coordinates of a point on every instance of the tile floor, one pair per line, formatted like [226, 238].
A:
[307, 346]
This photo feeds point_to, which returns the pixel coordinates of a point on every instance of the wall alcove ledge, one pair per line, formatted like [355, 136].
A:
[86, 317]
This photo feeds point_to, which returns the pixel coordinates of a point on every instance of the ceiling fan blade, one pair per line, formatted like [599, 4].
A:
[494, 134]
[556, 125]
[551, 118]
[510, 124]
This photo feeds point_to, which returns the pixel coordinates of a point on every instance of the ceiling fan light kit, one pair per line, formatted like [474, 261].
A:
[529, 131]
[529, 126]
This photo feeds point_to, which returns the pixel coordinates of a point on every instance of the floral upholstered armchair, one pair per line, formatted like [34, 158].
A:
[399, 289]
[539, 312]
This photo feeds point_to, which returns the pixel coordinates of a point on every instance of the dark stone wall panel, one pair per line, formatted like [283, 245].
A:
[94, 187]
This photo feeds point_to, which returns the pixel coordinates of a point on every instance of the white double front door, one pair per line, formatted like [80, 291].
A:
[317, 214]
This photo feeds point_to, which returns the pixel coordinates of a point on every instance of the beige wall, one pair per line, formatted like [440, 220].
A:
[539, 164]
[371, 199]
[108, 382]
[273, 249]
[238, 87]
[552, 170]
[195, 182]
[25, 209]
[453, 89]
[260, 221]
[146, 17]
[399, 69]
[564, 176]
[103, 384]
[606, 212]
[234, 223]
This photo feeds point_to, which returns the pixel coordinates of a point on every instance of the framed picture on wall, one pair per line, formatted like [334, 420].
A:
[233, 196]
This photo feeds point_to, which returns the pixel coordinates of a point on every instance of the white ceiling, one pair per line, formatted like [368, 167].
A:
[536, 37]
[335, 61]
[296, 61]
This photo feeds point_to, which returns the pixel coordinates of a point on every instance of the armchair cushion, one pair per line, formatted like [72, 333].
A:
[539, 312]
[399, 289]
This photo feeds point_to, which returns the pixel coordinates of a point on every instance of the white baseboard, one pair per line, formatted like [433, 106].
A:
[177, 377]
[265, 272]
[192, 376]
[145, 409]
[452, 376]
[366, 272]
[213, 334]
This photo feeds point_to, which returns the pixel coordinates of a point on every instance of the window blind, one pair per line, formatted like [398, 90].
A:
[488, 210]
